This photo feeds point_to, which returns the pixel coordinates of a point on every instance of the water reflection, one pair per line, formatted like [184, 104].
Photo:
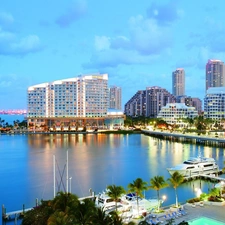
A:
[95, 161]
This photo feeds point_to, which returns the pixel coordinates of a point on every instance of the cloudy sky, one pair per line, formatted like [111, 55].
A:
[138, 43]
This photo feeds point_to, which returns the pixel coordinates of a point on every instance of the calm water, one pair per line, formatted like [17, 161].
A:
[95, 161]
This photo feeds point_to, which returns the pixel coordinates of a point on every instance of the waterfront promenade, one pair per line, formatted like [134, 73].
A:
[206, 139]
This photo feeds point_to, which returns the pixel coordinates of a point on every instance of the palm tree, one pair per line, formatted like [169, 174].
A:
[158, 183]
[60, 218]
[84, 212]
[64, 200]
[176, 179]
[116, 219]
[115, 192]
[101, 218]
[138, 186]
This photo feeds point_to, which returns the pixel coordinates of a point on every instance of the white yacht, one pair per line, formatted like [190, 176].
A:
[196, 166]
[127, 202]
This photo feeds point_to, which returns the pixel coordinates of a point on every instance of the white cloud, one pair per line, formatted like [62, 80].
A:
[113, 58]
[10, 44]
[28, 44]
[102, 43]
[147, 37]
[144, 43]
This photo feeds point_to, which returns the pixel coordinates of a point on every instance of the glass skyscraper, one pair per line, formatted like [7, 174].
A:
[215, 74]
[178, 82]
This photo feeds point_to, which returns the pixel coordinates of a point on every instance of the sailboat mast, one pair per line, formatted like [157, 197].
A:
[67, 178]
[54, 175]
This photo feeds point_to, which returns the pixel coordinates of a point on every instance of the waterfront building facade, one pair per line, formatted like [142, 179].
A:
[136, 106]
[214, 103]
[215, 74]
[115, 96]
[173, 113]
[69, 104]
[148, 102]
[178, 82]
[156, 98]
[189, 101]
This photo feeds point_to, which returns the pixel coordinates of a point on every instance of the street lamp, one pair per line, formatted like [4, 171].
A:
[163, 198]
[70, 183]
[198, 192]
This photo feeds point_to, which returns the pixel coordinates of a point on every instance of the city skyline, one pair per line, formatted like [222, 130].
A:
[137, 46]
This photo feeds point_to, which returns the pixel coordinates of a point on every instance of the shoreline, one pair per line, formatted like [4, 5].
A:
[73, 132]
[193, 138]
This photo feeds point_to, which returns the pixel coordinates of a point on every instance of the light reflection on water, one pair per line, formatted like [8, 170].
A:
[95, 161]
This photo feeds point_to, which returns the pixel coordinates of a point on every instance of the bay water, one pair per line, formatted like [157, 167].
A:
[94, 161]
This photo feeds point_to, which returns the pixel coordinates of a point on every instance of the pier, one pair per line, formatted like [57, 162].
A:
[14, 214]
[17, 214]
[194, 138]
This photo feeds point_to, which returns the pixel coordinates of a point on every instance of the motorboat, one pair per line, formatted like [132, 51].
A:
[105, 202]
[196, 166]
[127, 202]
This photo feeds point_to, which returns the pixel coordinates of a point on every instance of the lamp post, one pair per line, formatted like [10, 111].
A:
[163, 198]
[198, 192]
[70, 183]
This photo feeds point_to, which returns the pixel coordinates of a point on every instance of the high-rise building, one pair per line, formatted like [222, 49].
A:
[156, 98]
[70, 104]
[215, 74]
[136, 106]
[148, 102]
[214, 103]
[83, 96]
[178, 82]
[115, 94]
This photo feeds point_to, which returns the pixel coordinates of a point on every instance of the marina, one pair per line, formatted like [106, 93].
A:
[95, 162]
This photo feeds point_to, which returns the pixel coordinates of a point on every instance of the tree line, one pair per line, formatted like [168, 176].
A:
[66, 209]
[199, 123]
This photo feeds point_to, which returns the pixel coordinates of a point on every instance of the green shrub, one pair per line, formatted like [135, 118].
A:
[214, 199]
[193, 200]
[203, 196]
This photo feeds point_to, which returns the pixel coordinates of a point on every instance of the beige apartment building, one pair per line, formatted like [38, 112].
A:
[78, 103]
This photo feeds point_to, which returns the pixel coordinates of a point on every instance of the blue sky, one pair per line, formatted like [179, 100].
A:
[138, 43]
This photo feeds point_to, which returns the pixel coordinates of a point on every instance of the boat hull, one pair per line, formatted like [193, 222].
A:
[195, 171]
